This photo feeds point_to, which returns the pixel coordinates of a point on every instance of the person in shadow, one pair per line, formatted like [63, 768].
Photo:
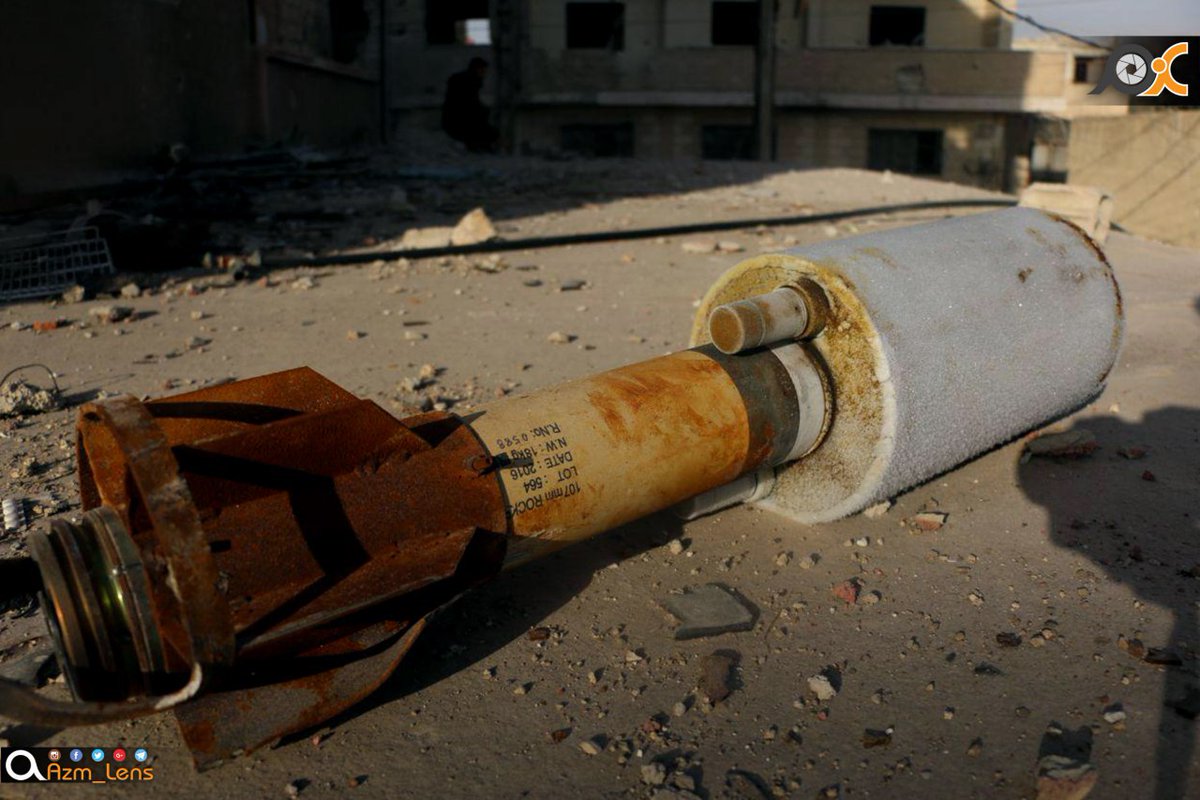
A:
[1131, 508]
[464, 116]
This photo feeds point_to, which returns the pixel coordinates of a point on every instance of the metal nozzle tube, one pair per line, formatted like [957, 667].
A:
[791, 311]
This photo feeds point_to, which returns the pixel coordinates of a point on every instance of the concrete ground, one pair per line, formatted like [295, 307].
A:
[1075, 558]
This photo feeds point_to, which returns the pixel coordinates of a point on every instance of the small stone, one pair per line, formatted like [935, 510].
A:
[1008, 639]
[929, 521]
[870, 598]
[877, 738]
[590, 747]
[810, 560]
[196, 342]
[1063, 778]
[131, 290]
[1076, 443]
[1132, 453]
[593, 677]
[538, 634]
[532, 283]
[559, 735]
[473, 228]
[558, 337]
[716, 675]
[522, 689]
[76, 294]
[198, 315]
[862, 541]
[847, 591]
[294, 788]
[948, 712]
[573, 285]
[708, 611]
[353, 335]
[745, 785]
[414, 336]
[878, 510]
[679, 709]
[975, 599]
[633, 657]
[675, 547]
[303, 283]
[699, 247]
[654, 774]
[822, 687]
[975, 748]
[1114, 713]
[110, 314]
[729, 246]
[783, 559]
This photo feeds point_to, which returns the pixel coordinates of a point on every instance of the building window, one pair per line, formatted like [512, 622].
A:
[727, 142]
[611, 140]
[596, 26]
[909, 152]
[902, 26]
[734, 23]
[1083, 68]
[457, 22]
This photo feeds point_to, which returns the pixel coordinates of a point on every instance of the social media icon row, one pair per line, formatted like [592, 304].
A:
[97, 754]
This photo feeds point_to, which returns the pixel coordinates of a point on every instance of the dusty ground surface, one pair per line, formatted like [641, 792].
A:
[1088, 550]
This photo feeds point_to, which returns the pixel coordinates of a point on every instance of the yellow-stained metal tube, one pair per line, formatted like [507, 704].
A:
[589, 455]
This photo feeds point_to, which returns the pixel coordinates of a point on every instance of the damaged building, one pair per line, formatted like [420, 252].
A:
[934, 88]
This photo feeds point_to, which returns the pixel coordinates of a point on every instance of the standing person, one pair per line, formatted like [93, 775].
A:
[464, 116]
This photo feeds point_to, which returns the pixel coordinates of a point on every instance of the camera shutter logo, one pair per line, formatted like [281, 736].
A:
[1134, 70]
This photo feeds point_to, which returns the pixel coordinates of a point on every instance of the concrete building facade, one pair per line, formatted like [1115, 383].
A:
[929, 87]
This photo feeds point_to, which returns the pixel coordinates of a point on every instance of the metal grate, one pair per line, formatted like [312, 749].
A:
[45, 264]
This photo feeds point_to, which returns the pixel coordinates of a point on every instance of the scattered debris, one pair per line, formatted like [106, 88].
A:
[593, 746]
[810, 560]
[675, 547]
[1008, 639]
[654, 774]
[1114, 714]
[1075, 443]
[975, 748]
[110, 314]
[699, 248]
[558, 337]
[716, 674]
[929, 521]
[729, 246]
[571, 285]
[708, 611]
[822, 686]
[878, 510]
[303, 283]
[877, 738]
[475, 227]
[20, 398]
[847, 591]
[1063, 778]
[131, 290]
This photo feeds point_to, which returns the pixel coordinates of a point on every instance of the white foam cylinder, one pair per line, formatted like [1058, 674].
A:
[943, 341]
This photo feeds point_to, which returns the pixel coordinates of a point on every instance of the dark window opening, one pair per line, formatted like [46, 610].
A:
[727, 142]
[613, 140]
[596, 26]
[349, 24]
[903, 26]
[457, 22]
[734, 23]
[909, 152]
[1083, 68]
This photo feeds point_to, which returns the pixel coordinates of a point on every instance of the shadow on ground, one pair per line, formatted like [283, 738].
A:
[1131, 508]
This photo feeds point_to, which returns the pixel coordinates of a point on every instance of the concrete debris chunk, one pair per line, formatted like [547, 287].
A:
[729, 246]
[878, 510]
[821, 686]
[708, 611]
[475, 227]
[1063, 778]
[654, 774]
[421, 238]
[929, 521]
[131, 290]
[558, 337]
[110, 314]
[19, 399]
